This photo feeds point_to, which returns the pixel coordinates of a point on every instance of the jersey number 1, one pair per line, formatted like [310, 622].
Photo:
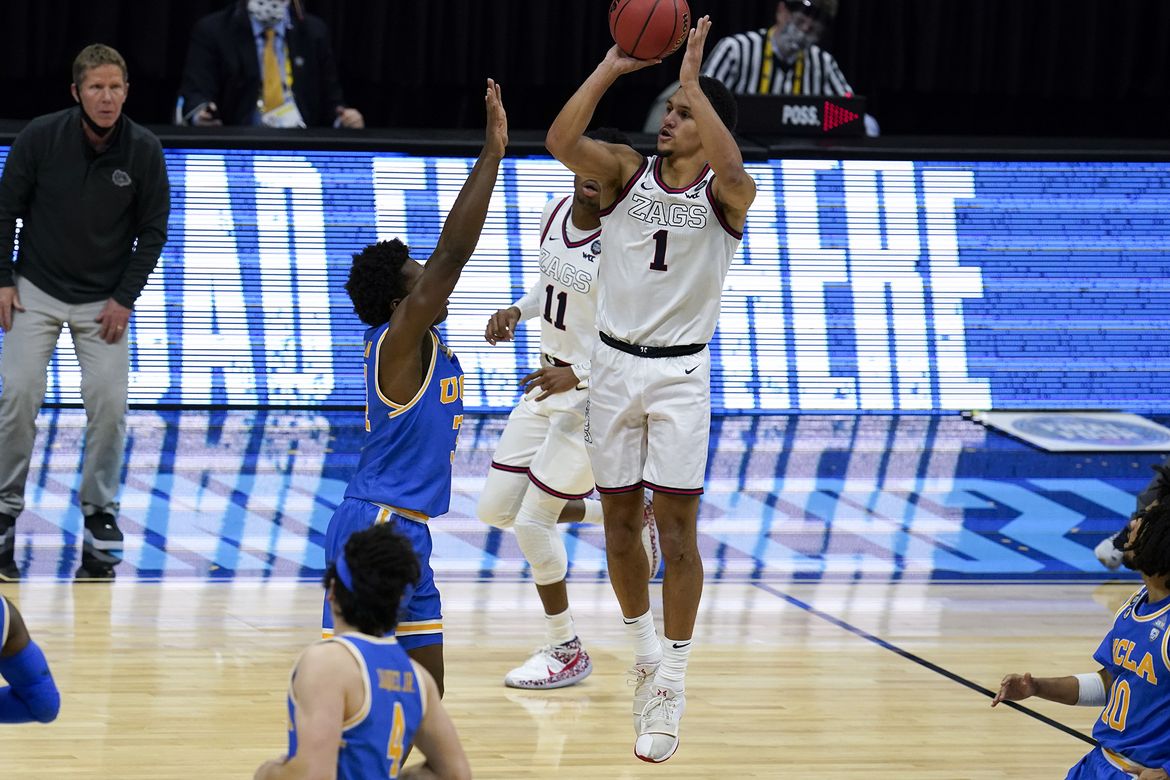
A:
[659, 261]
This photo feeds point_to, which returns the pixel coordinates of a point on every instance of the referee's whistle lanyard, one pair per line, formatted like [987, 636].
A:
[768, 68]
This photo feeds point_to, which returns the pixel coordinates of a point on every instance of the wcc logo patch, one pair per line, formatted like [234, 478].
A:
[121, 178]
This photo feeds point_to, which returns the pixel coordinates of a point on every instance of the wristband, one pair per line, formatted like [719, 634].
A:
[1092, 690]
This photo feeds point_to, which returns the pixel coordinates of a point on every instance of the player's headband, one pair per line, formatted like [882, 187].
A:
[343, 573]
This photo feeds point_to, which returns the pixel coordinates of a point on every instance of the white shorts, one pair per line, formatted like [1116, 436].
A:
[546, 439]
[648, 421]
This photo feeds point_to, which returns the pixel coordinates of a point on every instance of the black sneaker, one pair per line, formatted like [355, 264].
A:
[8, 570]
[101, 549]
[95, 573]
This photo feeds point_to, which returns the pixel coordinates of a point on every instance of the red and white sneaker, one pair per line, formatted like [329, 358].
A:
[658, 730]
[650, 538]
[641, 679]
[552, 666]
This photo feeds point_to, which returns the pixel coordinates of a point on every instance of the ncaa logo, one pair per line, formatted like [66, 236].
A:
[595, 248]
[800, 115]
[121, 178]
[1077, 429]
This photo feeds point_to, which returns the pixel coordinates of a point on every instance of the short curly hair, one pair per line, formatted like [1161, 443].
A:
[609, 135]
[382, 565]
[721, 100]
[376, 280]
[1151, 546]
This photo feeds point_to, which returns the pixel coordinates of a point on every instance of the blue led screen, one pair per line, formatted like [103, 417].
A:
[861, 285]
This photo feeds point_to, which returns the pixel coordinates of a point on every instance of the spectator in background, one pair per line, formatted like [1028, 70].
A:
[783, 59]
[255, 63]
[91, 189]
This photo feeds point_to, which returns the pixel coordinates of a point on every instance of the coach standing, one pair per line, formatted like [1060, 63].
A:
[91, 189]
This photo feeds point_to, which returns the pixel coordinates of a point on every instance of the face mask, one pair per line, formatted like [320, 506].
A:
[268, 13]
[98, 130]
[791, 40]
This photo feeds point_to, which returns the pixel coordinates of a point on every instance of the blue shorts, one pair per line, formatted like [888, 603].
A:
[1094, 766]
[420, 616]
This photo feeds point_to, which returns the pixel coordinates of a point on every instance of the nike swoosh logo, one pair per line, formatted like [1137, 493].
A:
[678, 646]
[647, 186]
[629, 622]
[689, 370]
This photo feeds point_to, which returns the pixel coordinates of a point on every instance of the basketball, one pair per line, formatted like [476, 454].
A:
[649, 29]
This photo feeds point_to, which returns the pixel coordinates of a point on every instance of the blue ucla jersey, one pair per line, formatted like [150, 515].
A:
[375, 740]
[406, 458]
[1136, 720]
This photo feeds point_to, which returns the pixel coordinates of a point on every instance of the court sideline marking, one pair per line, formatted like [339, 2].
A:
[836, 621]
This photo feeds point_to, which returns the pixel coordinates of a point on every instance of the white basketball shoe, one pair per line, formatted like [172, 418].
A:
[658, 730]
[552, 666]
[641, 677]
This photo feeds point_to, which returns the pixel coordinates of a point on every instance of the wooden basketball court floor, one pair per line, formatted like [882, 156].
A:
[869, 581]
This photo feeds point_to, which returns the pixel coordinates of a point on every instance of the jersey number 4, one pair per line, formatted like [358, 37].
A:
[395, 750]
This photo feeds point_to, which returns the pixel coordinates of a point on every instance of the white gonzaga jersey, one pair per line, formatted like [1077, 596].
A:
[565, 295]
[668, 252]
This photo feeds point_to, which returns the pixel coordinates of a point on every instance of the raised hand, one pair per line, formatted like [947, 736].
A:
[497, 120]
[692, 62]
[621, 63]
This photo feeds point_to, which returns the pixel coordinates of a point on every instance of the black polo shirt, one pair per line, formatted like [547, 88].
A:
[94, 223]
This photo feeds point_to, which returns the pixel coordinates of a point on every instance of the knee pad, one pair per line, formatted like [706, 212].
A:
[537, 535]
[500, 500]
[32, 694]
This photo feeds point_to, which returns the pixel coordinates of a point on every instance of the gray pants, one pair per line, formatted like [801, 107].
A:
[105, 377]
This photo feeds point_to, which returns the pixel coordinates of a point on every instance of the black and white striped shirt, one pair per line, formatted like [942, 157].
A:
[747, 64]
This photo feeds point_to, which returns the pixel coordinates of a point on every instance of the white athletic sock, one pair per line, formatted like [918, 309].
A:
[647, 648]
[558, 629]
[672, 672]
[592, 512]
